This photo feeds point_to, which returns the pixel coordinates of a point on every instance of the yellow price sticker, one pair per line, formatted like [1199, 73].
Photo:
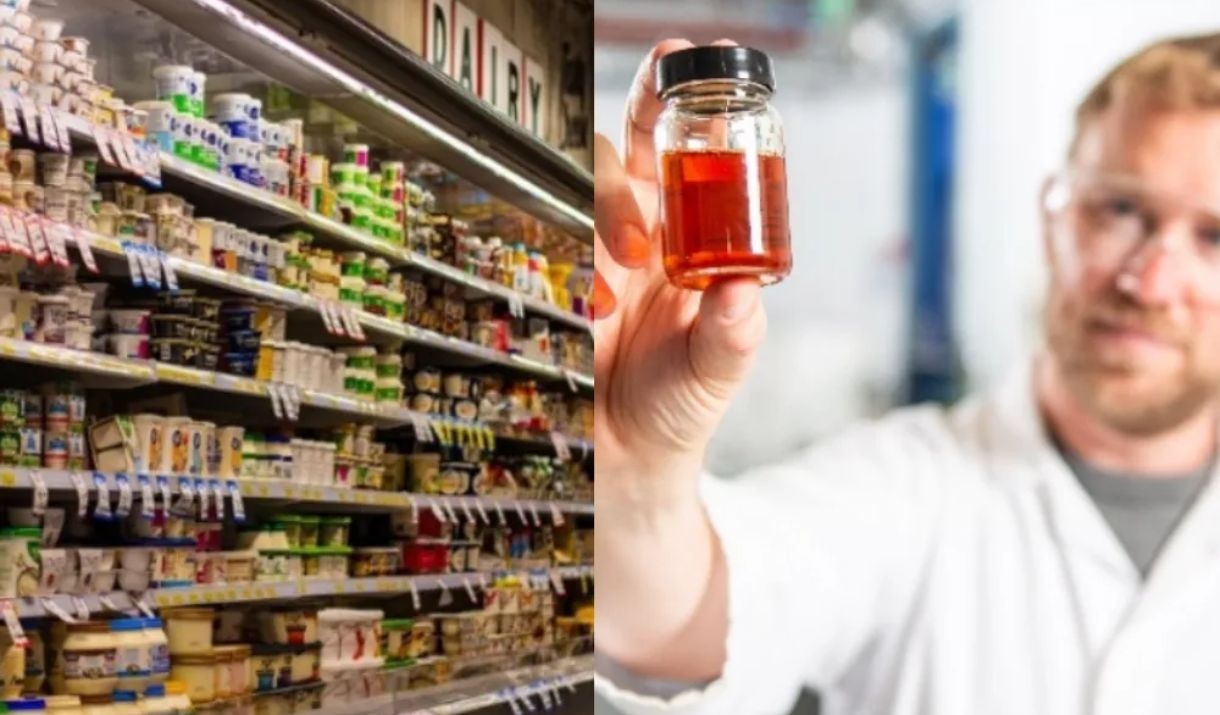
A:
[8, 478]
[8, 348]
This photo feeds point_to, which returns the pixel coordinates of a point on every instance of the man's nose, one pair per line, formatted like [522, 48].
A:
[1158, 273]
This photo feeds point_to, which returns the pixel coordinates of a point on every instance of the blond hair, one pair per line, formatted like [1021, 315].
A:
[1178, 73]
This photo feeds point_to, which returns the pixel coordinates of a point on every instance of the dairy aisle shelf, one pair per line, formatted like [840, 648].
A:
[133, 373]
[482, 508]
[374, 323]
[473, 694]
[285, 210]
[226, 593]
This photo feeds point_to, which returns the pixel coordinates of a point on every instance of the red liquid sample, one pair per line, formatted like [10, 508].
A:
[725, 213]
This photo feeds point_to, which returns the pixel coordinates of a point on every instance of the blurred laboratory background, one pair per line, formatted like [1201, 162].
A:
[918, 134]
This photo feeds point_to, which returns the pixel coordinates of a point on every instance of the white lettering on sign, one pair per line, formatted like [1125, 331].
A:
[436, 35]
[491, 42]
[464, 46]
[535, 97]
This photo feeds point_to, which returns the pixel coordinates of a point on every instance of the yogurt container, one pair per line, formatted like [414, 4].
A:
[198, 80]
[174, 85]
[161, 121]
[150, 435]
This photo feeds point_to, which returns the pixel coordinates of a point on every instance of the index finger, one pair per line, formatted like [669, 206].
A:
[643, 107]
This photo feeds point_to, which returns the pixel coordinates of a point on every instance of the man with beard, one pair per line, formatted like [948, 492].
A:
[1051, 547]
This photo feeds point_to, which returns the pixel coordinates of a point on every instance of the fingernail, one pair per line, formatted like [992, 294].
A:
[634, 247]
[603, 298]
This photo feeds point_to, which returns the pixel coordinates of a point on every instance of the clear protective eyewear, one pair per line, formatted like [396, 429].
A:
[1109, 222]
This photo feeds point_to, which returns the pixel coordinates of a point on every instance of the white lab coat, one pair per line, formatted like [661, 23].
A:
[948, 563]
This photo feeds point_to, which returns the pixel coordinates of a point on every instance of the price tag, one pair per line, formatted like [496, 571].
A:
[85, 249]
[499, 512]
[185, 507]
[423, 433]
[29, 114]
[148, 506]
[205, 509]
[133, 265]
[482, 581]
[12, 119]
[351, 325]
[524, 694]
[557, 582]
[446, 597]
[478, 505]
[38, 240]
[415, 600]
[453, 517]
[61, 126]
[326, 310]
[521, 513]
[54, 234]
[50, 133]
[560, 443]
[465, 504]
[125, 496]
[41, 495]
[544, 694]
[107, 603]
[152, 167]
[292, 401]
[150, 265]
[239, 504]
[556, 514]
[103, 511]
[469, 589]
[18, 237]
[512, 702]
[101, 136]
[571, 379]
[439, 510]
[164, 490]
[516, 305]
[16, 634]
[534, 514]
[584, 583]
[567, 683]
[277, 400]
[144, 608]
[81, 608]
[167, 268]
[82, 494]
[50, 606]
[218, 497]
[134, 163]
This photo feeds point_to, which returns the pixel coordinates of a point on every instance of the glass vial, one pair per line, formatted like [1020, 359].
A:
[720, 155]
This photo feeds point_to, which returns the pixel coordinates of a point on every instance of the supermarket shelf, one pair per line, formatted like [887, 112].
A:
[294, 44]
[252, 592]
[468, 695]
[124, 373]
[301, 301]
[60, 480]
[285, 210]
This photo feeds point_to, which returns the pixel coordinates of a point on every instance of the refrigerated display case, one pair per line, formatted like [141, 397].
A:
[296, 389]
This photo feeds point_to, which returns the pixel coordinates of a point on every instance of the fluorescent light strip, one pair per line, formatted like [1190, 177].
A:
[278, 41]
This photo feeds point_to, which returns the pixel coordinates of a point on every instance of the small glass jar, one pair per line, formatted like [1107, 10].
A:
[720, 163]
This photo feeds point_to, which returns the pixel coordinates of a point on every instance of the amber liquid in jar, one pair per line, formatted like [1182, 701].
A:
[725, 214]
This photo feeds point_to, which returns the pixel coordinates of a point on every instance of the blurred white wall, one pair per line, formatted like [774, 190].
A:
[1024, 66]
[837, 323]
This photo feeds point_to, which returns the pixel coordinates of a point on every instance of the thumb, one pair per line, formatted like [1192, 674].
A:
[730, 327]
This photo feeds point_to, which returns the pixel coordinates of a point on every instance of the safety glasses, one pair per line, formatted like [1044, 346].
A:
[1113, 223]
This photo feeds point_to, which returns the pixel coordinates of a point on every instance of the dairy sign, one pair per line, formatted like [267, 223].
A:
[477, 55]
